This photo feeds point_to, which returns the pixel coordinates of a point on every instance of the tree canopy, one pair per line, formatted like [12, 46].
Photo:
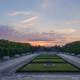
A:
[73, 47]
[8, 48]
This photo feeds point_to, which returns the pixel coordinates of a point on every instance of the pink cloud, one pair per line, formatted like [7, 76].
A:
[7, 32]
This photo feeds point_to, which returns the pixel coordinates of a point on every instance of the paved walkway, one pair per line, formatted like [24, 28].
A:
[8, 66]
[15, 61]
[21, 76]
[72, 59]
[41, 77]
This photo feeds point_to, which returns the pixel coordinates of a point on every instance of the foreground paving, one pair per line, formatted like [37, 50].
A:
[41, 77]
[11, 75]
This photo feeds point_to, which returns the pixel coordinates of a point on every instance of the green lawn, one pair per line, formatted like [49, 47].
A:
[58, 65]
[51, 57]
[41, 68]
[48, 60]
[47, 56]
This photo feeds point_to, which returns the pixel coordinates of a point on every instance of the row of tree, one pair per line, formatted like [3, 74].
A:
[46, 48]
[73, 47]
[8, 48]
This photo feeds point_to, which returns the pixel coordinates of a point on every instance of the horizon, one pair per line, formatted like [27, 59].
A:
[40, 22]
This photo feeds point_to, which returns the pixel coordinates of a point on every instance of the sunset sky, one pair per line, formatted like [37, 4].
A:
[40, 22]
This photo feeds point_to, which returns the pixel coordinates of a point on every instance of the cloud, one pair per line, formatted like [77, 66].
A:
[35, 38]
[8, 32]
[65, 31]
[46, 39]
[16, 13]
[74, 21]
[44, 36]
[24, 26]
[4, 29]
[30, 19]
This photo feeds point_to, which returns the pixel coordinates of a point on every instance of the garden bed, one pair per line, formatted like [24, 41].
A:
[41, 68]
[48, 63]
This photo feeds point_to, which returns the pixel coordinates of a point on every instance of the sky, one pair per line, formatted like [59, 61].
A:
[40, 22]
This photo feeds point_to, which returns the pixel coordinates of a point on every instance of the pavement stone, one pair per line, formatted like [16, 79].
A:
[17, 76]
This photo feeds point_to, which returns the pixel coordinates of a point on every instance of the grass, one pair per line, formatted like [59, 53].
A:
[41, 68]
[37, 65]
[48, 56]
[48, 60]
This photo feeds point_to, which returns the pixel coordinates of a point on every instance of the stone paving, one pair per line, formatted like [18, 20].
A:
[41, 77]
[72, 59]
[7, 64]
[26, 76]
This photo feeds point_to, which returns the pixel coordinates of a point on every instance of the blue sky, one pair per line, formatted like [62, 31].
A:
[45, 21]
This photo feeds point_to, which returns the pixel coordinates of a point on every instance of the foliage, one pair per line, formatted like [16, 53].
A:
[73, 47]
[39, 67]
[8, 48]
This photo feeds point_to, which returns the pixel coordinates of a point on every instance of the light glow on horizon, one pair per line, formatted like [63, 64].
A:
[45, 43]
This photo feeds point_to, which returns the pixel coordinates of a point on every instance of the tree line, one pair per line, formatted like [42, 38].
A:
[9, 48]
[73, 47]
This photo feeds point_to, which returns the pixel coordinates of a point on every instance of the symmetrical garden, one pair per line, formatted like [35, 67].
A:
[48, 63]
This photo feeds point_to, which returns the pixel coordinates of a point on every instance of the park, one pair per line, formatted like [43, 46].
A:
[39, 39]
[49, 63]
[24, 61]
